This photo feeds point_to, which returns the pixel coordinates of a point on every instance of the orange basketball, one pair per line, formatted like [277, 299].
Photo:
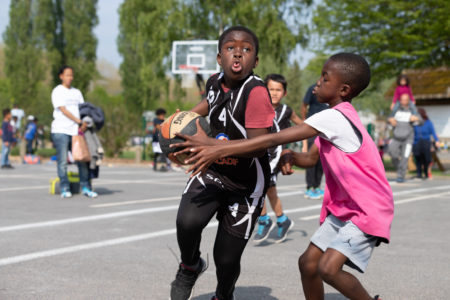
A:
[181, 122]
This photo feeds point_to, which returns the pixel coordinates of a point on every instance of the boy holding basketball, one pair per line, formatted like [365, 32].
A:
[284, 115]
[358, 207]
[239, 107]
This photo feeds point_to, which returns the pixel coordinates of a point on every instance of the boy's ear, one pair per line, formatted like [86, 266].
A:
[256, 62]
[345, 91]
[219, 59]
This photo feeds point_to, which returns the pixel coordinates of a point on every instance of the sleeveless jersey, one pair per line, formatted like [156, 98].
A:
[226, 111]
[356, 186]
[283, 116]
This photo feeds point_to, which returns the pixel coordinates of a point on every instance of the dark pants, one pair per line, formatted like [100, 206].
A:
[30, 147]
[313, 174]
[204, 198]
[422, 156]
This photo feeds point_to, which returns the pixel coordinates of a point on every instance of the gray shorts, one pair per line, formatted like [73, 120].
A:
[346, 238]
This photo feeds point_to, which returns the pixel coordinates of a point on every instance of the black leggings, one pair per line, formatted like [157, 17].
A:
[193, 216]
[422, 155]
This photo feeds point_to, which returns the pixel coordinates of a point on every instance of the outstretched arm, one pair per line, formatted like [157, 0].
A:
[205, 155]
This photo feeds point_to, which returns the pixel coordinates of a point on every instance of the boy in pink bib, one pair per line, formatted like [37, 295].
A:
[358, 206]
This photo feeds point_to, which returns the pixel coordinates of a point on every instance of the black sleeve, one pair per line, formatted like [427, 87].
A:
[308, 96]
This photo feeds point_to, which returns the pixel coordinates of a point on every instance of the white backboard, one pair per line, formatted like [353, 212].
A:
[200, 55]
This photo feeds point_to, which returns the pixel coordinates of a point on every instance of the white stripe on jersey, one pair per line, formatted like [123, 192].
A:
[259, 186]
[240, 92]
[274, 162]
[283, 110]
[239, 126]
[213, 107]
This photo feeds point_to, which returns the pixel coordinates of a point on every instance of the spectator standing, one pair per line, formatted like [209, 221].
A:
[403, 136]
[30, 133]
[67, 123]
[7, 138]
[422, 144]
[19, 113]
[311, 106]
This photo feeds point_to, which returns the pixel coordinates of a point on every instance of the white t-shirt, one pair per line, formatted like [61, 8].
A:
[19, 113]
[69, 98]
[337, 129]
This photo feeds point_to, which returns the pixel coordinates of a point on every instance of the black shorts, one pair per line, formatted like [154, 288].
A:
[236, 212]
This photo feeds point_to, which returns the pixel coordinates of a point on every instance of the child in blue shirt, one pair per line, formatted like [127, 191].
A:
[30, 133]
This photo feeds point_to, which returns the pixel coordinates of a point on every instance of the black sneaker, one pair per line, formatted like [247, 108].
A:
[182, 287]
[283, 229]
[263, 230]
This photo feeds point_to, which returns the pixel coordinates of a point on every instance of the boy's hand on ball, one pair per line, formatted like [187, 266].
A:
[202, 157]
[196, 140]
[286, 162]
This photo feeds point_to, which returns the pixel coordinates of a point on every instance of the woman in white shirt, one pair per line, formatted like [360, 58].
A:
[65, 100]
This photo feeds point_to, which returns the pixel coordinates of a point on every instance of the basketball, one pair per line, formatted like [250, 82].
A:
[181, 122]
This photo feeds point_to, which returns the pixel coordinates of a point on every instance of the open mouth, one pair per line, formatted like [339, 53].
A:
[236, 66]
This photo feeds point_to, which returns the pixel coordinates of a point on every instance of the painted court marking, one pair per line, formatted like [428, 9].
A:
[146, 236]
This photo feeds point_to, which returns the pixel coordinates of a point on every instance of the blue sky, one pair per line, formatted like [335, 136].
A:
[108, 29]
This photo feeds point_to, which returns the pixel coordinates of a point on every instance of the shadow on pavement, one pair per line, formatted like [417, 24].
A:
[105, 191]
[246, 293]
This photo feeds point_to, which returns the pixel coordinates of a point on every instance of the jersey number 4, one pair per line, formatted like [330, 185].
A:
[223, 117]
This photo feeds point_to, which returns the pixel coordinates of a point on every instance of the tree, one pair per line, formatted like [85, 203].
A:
[23, 64]
[148, 28]
[66, 34]
[392, 35]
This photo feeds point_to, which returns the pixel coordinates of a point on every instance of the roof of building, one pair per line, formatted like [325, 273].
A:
[430, 83]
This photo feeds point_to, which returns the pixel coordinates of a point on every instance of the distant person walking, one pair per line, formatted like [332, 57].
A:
[311, 106]
[66, 123]
[422, 144]
[30, 133]
[403, 136]
[7, 139]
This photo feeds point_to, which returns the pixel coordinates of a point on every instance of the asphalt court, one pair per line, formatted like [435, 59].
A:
[122, 244]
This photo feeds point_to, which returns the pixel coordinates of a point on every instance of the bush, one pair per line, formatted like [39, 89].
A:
[46, 152]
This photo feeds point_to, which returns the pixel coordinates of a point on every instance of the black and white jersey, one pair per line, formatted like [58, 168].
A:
[283, 115]
[247, 176]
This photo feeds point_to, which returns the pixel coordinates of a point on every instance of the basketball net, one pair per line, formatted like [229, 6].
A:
[188, 79]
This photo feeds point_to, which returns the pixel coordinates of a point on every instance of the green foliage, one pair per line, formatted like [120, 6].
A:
[148, 28]
[392, 35]
[294, 95]
[46, 152]
[120, 123]
[23, 65]
[373, 98]
[66, 33]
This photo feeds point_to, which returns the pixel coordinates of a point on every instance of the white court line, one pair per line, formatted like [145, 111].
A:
[98, 183]
[418, 198]
[149, 210]
[110, 204]
[88, 218]
[140, 237]
[307, 218]
[118, 215]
